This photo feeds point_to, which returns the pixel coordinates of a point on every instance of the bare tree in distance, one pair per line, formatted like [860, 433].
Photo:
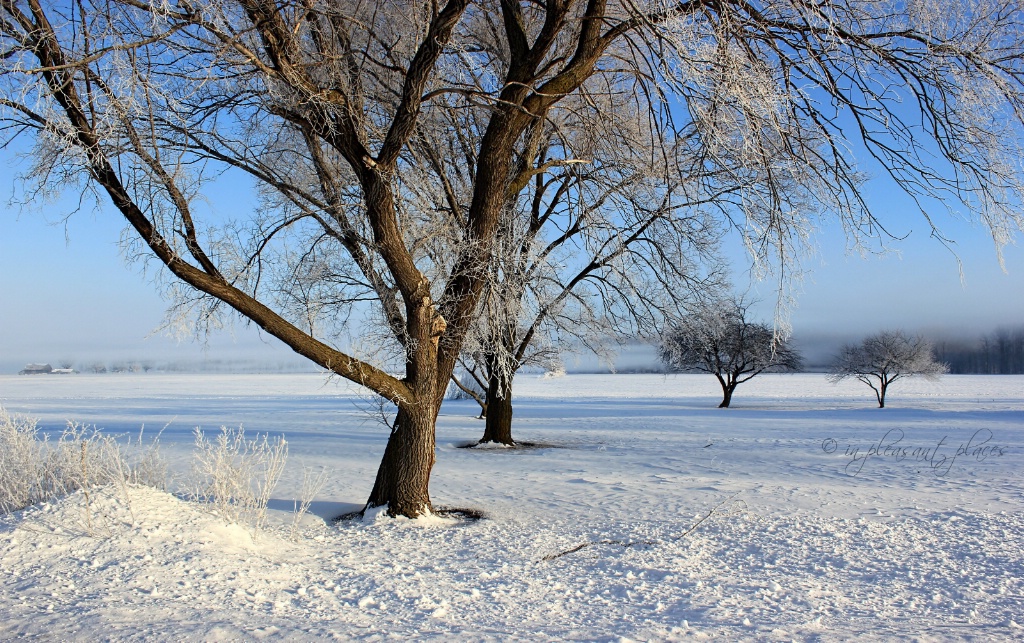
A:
[323, 108]
[882, 358]
[718, 338]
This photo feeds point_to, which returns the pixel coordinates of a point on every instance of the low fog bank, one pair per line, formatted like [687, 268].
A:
[966, 351]
[999, 351]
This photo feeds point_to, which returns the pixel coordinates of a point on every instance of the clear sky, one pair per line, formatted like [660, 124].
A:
[916, 286]
[66, 293]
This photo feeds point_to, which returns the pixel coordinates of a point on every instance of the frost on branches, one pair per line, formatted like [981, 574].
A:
[368, 246]
[720, 340]
[885, 357]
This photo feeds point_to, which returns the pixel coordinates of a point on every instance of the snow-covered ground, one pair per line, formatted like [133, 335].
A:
[832, 520]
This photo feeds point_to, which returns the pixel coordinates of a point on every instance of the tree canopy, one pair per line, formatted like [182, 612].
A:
[384, 141]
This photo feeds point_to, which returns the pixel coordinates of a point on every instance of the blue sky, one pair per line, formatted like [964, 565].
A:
[68, 294]
[916, 286]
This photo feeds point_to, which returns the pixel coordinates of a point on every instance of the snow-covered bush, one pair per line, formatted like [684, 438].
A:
[21, 457]
[236, 475]
[555, 372]
[34, 469]
[312, 484]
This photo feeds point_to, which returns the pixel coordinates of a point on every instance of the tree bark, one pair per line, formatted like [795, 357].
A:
[881, 395]
[499, 413]
[403, 478]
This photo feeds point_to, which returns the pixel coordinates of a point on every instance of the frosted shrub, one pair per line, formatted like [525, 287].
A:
[21, 457]
[236, 475]
[34, 469]
[312, 484]
[148, 467]
[81, 458]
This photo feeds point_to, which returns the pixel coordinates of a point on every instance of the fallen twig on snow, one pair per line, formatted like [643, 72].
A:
[631, 543]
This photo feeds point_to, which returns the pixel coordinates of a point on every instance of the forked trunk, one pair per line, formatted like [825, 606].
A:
[727, 390]
[499, 413]
[403, 479]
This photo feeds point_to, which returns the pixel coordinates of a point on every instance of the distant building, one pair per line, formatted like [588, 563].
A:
[63, 371]
[36, 369]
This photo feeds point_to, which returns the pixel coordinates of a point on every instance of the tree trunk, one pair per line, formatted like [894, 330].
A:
[403, 479]
[499, 413]
[880, 394]
[727, 390]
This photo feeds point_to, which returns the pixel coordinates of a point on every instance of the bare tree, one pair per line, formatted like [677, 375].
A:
[619, 286]
[585, 256]
[719, 339]
[322, 107]
[885, 357]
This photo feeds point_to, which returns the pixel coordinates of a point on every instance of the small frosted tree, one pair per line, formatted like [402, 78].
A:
[719, 339]
[885, 357]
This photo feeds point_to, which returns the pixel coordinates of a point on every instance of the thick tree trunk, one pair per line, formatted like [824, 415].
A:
[499, 413]
[403, 479]
[880, 394]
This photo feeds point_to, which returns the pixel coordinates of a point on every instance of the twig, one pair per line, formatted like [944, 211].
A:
[705, 517]
[630, 543]
[624, 543]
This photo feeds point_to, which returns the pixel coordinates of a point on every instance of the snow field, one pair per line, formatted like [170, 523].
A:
[797, 549]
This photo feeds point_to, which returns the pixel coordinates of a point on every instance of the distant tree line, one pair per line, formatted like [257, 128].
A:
[179, 366]
[1000, 352]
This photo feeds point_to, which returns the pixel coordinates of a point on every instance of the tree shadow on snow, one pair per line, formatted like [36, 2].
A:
[518, 447]
[326, 509]
[460, 514]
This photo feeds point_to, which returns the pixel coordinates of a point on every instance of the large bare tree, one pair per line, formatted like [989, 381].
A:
[328, 108]
[586, 255]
